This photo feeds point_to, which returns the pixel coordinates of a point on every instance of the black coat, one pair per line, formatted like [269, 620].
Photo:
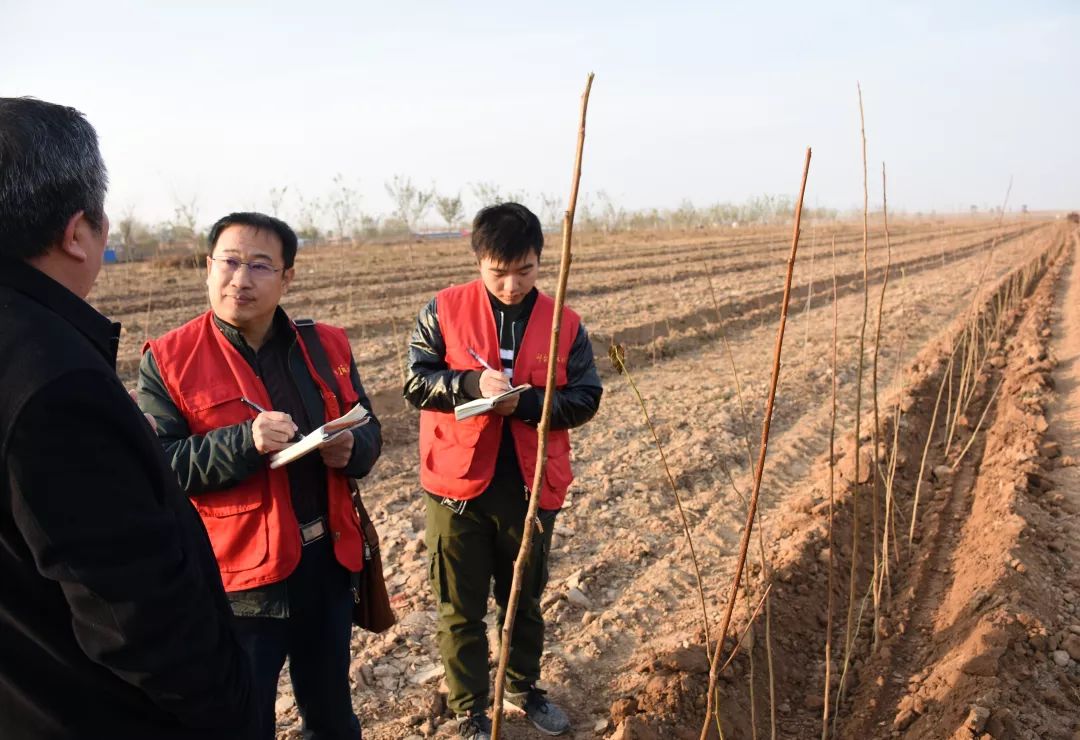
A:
[113, 620]
[432, 385]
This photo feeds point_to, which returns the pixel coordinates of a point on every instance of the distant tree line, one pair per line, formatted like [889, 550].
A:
[424, 210]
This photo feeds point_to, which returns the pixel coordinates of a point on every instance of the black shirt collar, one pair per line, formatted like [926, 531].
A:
[33, 283]
[281, 331]
[518, 310]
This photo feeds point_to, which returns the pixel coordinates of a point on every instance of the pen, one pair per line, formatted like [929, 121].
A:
[253, 405]
[261, 410]
[480, 359]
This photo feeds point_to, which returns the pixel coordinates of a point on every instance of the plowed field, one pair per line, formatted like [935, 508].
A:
[979, 611]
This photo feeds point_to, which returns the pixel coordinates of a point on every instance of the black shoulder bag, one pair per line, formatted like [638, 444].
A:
[371, 602]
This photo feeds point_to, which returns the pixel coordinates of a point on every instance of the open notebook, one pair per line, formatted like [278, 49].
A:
[483, 405]
[357, 416]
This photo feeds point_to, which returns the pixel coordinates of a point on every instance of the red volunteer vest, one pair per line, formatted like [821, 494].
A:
[252, 526]
[457, 458]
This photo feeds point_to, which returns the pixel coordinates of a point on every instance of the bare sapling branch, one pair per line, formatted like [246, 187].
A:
[734, 370]
[755, 493]
[978, 426]
[891, 511]
[618, 359]
[766, 570]
[926, 447]
[809, 290]
[855, 637]
[972, 311]
[878, 565]
[832, 503]
[853, 570]
[749, 624]
[966, 341]
[525, 551]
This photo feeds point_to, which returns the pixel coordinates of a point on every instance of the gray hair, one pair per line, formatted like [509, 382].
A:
[50, 169]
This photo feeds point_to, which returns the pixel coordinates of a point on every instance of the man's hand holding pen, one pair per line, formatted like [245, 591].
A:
[271, 430]
[494, 382]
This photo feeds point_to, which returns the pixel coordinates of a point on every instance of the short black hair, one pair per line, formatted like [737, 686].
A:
[506, 233]
[259, 222]
[50, 169]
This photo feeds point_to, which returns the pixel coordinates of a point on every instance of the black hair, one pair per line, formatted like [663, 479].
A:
[506, 233]
[50, 169]
[259, 222]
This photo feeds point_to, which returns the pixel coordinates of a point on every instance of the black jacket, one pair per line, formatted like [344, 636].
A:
[432, 385]
[113, 620]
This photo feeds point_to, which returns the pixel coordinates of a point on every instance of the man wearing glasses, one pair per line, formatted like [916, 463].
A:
[227, 389]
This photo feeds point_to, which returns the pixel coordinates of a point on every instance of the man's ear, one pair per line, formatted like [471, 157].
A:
[76, 232]
[286, 279]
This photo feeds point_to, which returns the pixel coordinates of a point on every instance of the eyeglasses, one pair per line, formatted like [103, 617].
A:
[258, 269]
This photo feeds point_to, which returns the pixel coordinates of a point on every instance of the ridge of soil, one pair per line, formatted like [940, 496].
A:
[975, 639]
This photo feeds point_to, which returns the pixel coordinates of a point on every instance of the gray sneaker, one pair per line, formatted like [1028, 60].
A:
[544, 715]
[474, 726]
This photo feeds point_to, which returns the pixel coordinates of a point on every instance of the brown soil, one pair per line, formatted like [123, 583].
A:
[977, 606]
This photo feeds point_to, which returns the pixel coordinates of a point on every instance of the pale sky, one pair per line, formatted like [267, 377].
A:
[708, 101]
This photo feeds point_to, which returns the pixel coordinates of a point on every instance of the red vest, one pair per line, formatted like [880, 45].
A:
[252, 526]
[457, 458]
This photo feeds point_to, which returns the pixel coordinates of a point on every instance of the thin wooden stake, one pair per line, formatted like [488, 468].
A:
[766, 570]
[525, 551]
[809, 292]
[714, 668]
[832, 497]
[850, 634]
[879, 566]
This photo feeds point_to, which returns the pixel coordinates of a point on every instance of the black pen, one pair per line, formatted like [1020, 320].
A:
[247, 402]
[253, 405]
